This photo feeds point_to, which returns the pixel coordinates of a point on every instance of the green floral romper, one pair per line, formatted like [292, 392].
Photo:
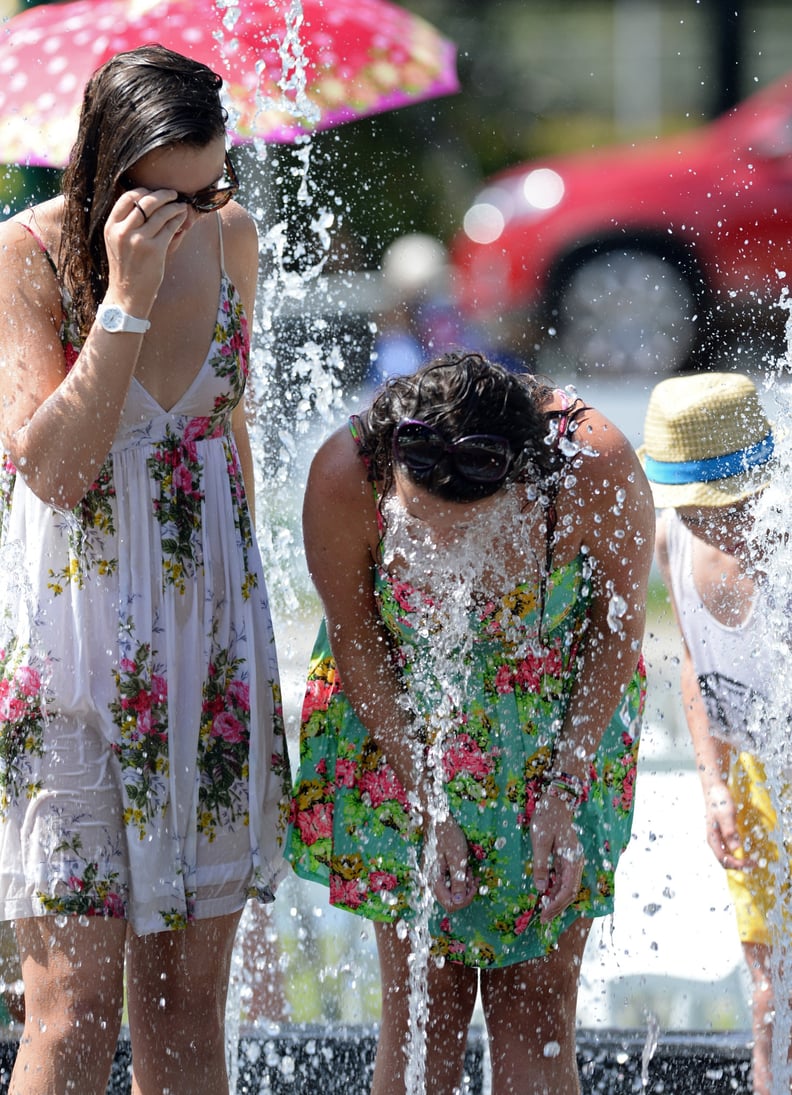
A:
[498, 698]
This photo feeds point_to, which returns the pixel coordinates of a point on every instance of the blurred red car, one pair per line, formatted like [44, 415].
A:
[638, 258]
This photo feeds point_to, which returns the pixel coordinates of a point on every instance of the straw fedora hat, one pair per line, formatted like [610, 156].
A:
[707, 441]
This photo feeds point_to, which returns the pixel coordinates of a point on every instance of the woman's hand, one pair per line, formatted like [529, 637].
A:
[453, 882]
[557, 856]
[138, 234]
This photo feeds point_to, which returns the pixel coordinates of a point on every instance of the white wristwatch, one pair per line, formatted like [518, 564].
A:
[113, 319]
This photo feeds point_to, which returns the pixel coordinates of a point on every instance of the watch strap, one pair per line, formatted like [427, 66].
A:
[113, 318]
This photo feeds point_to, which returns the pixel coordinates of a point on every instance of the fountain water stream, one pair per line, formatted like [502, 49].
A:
[771, 542]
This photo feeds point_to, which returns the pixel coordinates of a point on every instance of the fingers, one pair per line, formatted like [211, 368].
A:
[453, 883]
[557, 857]
[727, 849]
[723, 836]
[149, 211]
[139, 233]
[456, 889]
[564, 884]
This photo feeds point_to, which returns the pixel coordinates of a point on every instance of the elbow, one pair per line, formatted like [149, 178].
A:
[57, 496]
[57, 493]
[59, 485]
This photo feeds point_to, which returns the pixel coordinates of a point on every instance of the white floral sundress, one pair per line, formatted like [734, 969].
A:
[143, 769]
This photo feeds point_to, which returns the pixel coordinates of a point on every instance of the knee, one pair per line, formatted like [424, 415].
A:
[76, 1004]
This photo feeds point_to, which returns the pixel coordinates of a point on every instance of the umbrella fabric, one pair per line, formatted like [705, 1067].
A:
[288, 67]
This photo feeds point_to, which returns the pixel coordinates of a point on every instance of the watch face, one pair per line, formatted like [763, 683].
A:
[111, 318]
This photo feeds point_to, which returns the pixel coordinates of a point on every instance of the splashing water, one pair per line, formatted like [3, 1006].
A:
[448, 573]
[649, 1048]
[771, 535]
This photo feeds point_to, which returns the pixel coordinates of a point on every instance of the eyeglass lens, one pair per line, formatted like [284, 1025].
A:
[214, 197]
[480, 457]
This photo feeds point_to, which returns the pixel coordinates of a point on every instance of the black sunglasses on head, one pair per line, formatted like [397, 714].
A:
[481, 457]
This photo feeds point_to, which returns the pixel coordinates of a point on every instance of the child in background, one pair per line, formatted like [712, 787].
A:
[707, 453]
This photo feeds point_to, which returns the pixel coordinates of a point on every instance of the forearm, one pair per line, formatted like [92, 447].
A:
[244, 451]
[712, 755]
[374, 687]
[605, 667]
[61, 448]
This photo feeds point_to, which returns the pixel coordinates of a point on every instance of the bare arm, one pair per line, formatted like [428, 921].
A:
[340, 532]
[241, 245]
[607, 509]
[57, 427]
[712, 755]
[339, 527]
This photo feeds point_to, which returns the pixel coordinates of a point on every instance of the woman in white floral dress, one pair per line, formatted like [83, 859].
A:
[142, 766]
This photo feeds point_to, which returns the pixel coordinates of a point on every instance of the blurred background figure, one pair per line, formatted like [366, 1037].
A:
[420, 317]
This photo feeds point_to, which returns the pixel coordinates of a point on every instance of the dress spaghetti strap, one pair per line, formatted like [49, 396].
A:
[42, 247]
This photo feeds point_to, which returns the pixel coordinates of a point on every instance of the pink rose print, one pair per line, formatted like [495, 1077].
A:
[345, 773]
[503, 680]
[345, 892]
[404, 595]
[522, 921]
[228, 727]
[27, 680]
[465, 755]
[316, 823]
[318, 694]
[381, 880]
[239, 695]
[114, 906]
[382, 786]
[196, 429]
[182, 478]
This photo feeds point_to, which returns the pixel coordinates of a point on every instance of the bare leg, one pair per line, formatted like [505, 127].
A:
[757, 956]
[261, 960]
[452, 996]
[530, 1012]
[177, 983]
[73, 978]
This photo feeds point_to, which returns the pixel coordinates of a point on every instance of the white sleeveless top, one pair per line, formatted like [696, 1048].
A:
[733, 674]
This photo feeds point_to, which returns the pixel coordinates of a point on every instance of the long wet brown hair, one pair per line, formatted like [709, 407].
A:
[147, 98]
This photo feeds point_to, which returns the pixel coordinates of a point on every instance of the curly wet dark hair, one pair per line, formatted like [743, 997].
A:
[460, 394]
[140, 100]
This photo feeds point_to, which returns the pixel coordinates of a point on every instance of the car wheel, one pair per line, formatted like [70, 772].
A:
[626, 310]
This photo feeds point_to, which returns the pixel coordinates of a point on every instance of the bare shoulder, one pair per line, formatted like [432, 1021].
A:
[239, 228]
[37, 225]
[606, 460]
[240, 249]
[337, 471]
[339, 512]
[606, 499]
[28, 280]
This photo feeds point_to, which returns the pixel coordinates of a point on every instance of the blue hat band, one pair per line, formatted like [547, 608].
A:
[677, 473]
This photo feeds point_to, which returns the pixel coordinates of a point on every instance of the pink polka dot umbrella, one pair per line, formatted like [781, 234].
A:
[289, 67]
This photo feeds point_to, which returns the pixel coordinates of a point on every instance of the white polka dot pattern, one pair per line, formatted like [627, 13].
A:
[361, 57]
